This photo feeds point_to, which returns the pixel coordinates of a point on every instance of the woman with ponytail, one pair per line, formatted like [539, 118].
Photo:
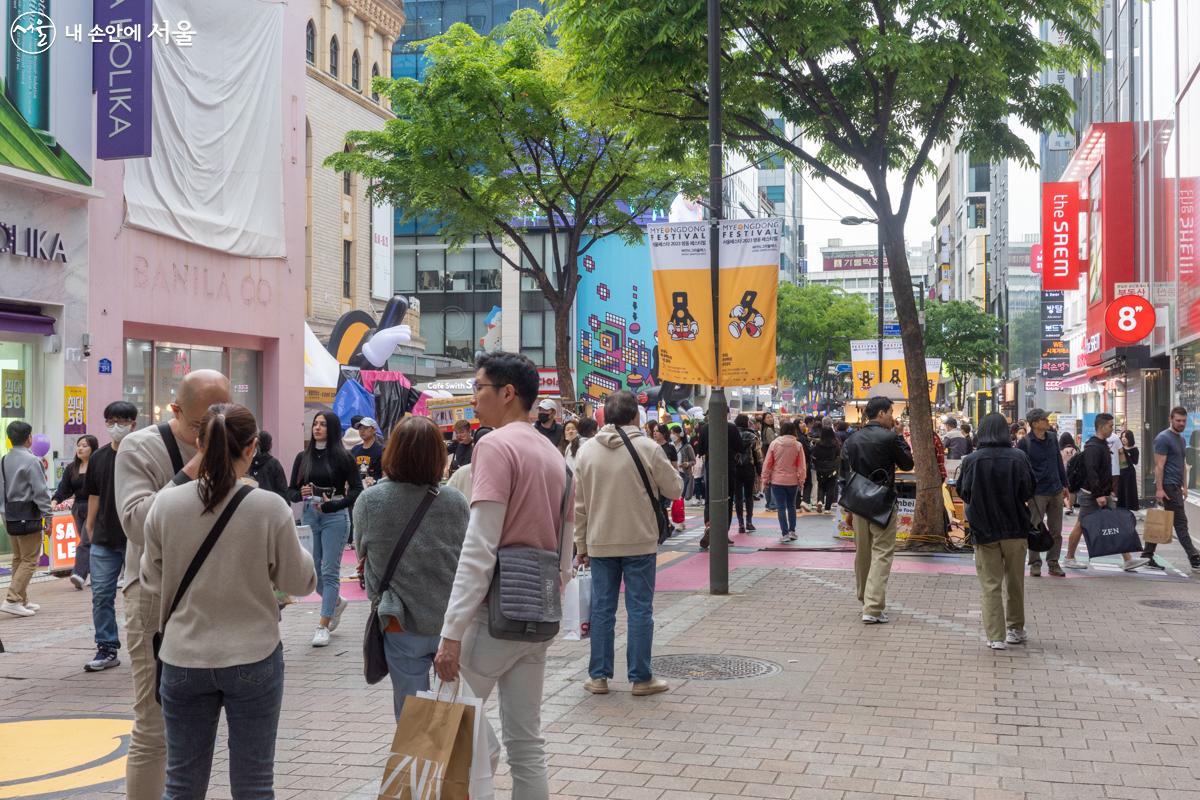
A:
[220, 645]
[326, 479]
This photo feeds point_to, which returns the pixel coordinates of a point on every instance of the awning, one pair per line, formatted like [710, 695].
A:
[26, 322]
[1072, 381]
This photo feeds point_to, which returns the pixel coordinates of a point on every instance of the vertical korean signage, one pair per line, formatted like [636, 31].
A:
[864, 364]
[749, 283]
[1056, 353]
[1060, 236]
[12, 393]
[121, 72]
[381, 251]
[74, 410]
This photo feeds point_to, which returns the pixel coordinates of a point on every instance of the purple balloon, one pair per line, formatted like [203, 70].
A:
[41, 444]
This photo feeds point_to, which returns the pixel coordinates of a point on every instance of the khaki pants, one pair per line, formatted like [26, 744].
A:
[519, 670]
[1048, 507]
[146, 767]
[1001, 569]
[26, 548]
[875, 545]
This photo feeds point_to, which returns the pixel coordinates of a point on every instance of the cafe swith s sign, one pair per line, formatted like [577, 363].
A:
[1060, 236]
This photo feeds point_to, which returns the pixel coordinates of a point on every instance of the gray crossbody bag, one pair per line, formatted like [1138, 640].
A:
[524, 599]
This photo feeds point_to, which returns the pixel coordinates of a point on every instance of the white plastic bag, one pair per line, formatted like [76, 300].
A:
[485, 754]
[577, 607]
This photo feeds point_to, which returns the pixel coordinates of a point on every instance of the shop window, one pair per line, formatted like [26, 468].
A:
[245, 376]
[171, 363]
[977, 212]
[154, 371]
[16, 365]
[334, 54]
[431, 261]
[487, 269]
[458, 270]
[356, 71]
[404, 268]
[347, 272]
[139, 376]
[310, 42]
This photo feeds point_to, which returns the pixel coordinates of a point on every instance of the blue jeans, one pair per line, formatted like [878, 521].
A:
[106, 563]
[329, 540]
[769, 494]
[192, 699]
[409, 657]
[639, 573]
[785, 506]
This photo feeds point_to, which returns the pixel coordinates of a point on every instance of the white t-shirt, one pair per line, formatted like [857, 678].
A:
[1114, 449]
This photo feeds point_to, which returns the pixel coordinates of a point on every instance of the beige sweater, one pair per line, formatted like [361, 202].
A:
[143, 469]
[229, 615]
[613, 514]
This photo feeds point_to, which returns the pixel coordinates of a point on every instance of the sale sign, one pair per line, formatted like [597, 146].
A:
[63, 541]
[1060, 235]
[74, 410]
[1129, 319]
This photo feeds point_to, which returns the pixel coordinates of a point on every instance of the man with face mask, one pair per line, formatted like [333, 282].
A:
[547, 425]
[107, 535]
[150, 460]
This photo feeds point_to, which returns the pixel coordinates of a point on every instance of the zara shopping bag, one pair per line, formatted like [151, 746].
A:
[577, 606]
[1110, 531]
[485, 755]
[431, 751]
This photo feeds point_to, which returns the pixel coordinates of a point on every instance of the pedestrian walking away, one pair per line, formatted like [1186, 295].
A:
[216, 549]
[957, 445]
[26, 507]
[996, 483]
[412, 605]
[1050, 489]
[150, 460]
[784, 471]
[1066, 444]
[265, 469]
[520, 500]
[875, 452]
[616, 535]
[747, 466]
[736, 447]
[826, 460]
[72, 495]
[1170, 478]
[327, 481]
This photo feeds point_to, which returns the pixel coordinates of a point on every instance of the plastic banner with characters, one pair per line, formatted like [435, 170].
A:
[864, 363]
[749, 284]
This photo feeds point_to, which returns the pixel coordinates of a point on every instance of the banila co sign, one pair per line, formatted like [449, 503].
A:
[32, 243]
[121, 69]
[1060, 236]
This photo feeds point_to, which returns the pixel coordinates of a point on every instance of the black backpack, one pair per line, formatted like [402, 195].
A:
[746, 457]
[1076, 472]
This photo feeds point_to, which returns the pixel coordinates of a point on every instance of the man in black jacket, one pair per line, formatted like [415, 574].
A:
[874, 448]
[735, 447]
[1097, 491]
[1050, 488]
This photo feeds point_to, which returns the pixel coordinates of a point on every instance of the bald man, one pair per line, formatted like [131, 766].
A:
[150, 460]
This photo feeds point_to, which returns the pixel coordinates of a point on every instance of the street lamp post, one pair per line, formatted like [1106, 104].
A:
[879, 278]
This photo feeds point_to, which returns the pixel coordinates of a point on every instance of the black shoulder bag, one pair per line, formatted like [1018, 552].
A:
[867, 498]
[194, 567]
[375, 666]
[664, 528]
[168, 437]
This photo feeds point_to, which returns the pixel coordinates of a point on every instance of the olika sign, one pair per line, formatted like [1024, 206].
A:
[32, 243]
[1060, 236]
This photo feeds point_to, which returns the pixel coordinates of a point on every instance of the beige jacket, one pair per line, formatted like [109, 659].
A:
[613, 515]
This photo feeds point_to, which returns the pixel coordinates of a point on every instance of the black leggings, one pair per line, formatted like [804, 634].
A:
[743, 496]
[827, 489]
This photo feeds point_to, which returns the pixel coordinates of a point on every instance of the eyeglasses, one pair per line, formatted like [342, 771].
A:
[476, 385]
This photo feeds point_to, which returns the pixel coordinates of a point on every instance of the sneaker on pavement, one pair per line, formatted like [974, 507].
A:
[750, 527]
[33, 606]
[1132, 564]
[1057, 571]
[77, 581]
[998, 645]
[784, 538]
[1015, 636]
[1154, 563]
[1070, 512]
[1035, 570]
[338, 609]
[791, 537]
[882, 619]
[596, 685]
[1195, 562]
[1074, 563]
[16, 609]
[103, 660]
[652, 686]
[321, 637]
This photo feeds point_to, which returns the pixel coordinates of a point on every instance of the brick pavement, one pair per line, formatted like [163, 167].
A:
[1102, 703]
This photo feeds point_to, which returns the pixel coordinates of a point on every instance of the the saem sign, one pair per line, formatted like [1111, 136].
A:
[1060, 236]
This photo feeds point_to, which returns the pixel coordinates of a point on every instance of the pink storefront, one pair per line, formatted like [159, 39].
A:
[197, 253]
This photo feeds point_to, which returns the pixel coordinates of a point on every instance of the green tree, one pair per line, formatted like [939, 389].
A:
[815, 323]
[969, 341]
[497, 142]
[1025, 340]
[871, 85]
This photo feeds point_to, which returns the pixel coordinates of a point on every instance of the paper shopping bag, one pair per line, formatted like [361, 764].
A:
[577, 606]
[431, 752]
[485, 754]
[1159, 526]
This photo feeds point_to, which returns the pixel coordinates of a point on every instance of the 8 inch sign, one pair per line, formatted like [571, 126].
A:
[1129, 319]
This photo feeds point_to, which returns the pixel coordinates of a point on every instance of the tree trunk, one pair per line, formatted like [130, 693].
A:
[564, 353]
[927, 525]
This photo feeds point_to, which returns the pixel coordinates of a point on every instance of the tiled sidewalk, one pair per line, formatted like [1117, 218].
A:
[1104, 702]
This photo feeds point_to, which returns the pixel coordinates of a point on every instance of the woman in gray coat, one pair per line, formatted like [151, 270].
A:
[412, 606]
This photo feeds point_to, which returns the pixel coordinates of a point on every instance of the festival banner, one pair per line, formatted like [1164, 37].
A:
[682, 278]
[864, 363]
[1060, 236]
[749, 258]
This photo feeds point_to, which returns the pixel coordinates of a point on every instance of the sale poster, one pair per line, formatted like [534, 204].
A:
[62, 542]
[74, 410]
[12, 393]
[864, 364]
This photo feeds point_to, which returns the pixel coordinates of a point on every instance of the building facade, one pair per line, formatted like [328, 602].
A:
[964, 192]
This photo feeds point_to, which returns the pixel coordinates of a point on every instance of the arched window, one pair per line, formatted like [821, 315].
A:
[310, 42]
[334, 54]
[356, 72]
[374, 75]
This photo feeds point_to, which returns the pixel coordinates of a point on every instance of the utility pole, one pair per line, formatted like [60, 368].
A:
[718, 405]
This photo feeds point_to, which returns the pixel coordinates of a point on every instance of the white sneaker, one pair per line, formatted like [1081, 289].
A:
[33, 606]
[820, 508]
[321, 637]
[882, 619]
[121, 582]
[998, 645]
[1074, 563]
[791, 537]
[16, 609]
[1133, 564]
[1015, 636]
[338, 608]
[77, 581]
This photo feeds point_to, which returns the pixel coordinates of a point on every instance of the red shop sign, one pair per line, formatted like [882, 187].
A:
[1129, 319]
[1060, 236]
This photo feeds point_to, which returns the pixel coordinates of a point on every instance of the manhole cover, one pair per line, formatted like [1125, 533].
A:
[705, 667]
[1171, 605]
